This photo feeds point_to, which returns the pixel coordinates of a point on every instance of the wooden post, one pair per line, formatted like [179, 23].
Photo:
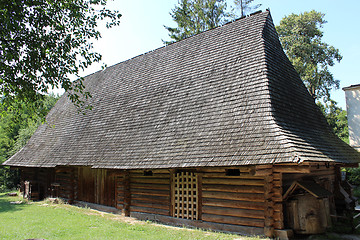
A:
[127, 194]
[199, 196]
[172, 192]
[72, 185]
[269, 205]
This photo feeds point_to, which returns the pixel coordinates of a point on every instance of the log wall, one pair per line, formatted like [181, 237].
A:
[119, 186]
[235, 200]
[40, 179]
[248, 196]
[67, 177]
[150, 194]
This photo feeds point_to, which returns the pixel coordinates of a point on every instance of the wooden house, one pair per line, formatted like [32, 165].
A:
[209, 132]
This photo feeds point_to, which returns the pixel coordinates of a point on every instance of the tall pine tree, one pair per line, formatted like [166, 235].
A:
[245, 6]
[195, 16]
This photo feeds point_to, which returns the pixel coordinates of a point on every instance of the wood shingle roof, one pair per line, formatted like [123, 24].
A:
[228, 96]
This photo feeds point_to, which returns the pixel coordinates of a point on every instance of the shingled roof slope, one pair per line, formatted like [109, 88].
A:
[228, 96]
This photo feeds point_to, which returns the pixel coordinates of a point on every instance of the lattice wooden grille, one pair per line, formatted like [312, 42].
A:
[185, 195]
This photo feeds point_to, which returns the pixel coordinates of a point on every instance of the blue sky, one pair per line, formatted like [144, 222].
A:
[141, 30]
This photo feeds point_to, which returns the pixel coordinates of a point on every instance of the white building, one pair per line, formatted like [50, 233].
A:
[352, 95]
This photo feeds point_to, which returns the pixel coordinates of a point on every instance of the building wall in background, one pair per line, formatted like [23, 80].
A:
[352, 95]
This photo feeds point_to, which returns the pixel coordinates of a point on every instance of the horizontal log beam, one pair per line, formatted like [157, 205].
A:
[254, 197]
[223, 175]
[153, 199]
[150, 192]
[147, 204]
[232, 188]
[242, 182]
[235, 212]
[291, 169]
[233, 220]
[149, 210]
[150, 180]
[243, 169]
[233, 204]
[149, 186]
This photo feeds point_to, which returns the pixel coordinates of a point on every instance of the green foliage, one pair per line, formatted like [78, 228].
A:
[336, 118]
[44, 43]
[17, 124]
[301, 38]
[245, 6]
[196, 16]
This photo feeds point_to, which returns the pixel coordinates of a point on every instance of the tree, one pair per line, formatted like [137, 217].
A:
[45, 43]
[336, 118]
[17, 124]
[244, 6]
[301, 38]
[195, 16]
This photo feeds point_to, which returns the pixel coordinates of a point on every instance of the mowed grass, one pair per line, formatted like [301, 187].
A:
[44, 220]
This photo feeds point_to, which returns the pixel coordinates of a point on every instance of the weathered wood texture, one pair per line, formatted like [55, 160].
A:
[96, 186]
[237, 200]
[119, 194]
[150, 194]
[323, 174]
[67, 177]
[39, 179]
[185, 194]
[199, 224]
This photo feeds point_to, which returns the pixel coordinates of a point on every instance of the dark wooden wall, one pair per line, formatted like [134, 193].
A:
[40, 180]
[150, 194]
[235, 200]
[96, 186]
[252, 198]
[66, 177]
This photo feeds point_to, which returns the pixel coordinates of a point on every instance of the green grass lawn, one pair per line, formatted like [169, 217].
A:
[61, 221]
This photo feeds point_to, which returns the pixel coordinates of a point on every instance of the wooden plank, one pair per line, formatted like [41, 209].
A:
[149, 210]
[149, 204]
[256, 197]
[241, 182]
[263, 172]
[235, 212]
[223, 169]
[233, 204]
[155, 175]
[152, 199]
[234, 220]
[233, 188]
[222, 175]
[251, 231]
[155, 171]
[291, 169]
[149, 192]
[151, 180]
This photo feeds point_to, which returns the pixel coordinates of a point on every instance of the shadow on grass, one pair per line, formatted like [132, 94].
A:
[6, 206]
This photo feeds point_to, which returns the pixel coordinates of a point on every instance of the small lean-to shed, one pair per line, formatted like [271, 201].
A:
[308, 207]
[205, 132]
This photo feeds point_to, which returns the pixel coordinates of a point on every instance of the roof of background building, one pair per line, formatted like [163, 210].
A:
[351, 87]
